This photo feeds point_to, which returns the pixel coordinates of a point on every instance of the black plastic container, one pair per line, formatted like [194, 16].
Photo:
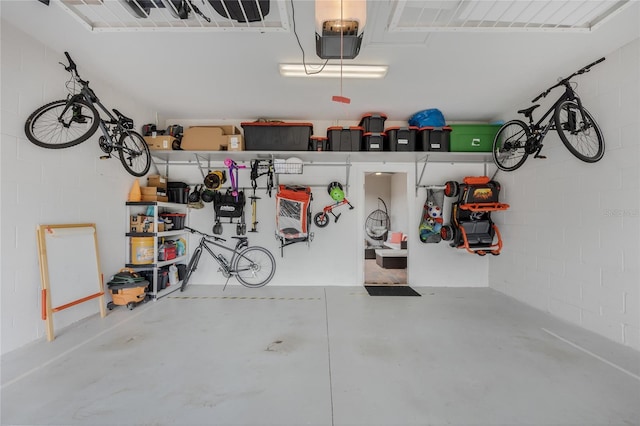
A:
[345, 139]
[374, 142]
[402, 138]
[318, 143]
[182, 270]
[373, 122]
[277, 136]
[434, 138]
[177, 219]
[178, 192]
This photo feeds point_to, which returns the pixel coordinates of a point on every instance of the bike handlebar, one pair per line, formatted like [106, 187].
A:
[195, 231]
[566, 80]
[72, 65]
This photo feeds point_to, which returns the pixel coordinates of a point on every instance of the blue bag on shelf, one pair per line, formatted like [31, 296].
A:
[428, 118]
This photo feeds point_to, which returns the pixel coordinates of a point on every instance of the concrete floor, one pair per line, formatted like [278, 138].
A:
[322, 356]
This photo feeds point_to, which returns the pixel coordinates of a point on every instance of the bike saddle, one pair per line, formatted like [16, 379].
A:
[528, 112]
[240, 238]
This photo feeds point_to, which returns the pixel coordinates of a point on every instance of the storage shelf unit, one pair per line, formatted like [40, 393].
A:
[203, 159]
[139, 207]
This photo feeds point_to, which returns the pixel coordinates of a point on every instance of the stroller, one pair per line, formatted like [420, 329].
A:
[471, 226]
[293, 215]
[228, 205]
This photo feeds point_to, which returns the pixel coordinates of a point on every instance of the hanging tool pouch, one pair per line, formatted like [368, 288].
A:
[225, 204]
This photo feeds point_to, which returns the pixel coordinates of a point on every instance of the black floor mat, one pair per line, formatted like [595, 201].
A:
[391, 290]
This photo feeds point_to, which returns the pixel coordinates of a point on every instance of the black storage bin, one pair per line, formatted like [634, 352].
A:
[182, 270]
[345, 139]
[402, 138]
[277, 136]
[434, 138]
[177, 219]
[318, 143]
[373, 122]
[178, 192]
[374, 142]
[163, 277]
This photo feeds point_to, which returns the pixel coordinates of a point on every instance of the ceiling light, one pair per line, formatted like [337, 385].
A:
[339, 28]
[333, 71]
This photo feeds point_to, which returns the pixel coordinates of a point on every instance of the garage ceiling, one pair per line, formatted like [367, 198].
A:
[472, 59]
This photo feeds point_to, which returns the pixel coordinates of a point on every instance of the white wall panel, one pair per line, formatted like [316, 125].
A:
[50, 186]
[581, 263]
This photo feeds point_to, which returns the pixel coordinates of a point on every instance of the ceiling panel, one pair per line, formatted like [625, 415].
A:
[164, 15]
[500, 15]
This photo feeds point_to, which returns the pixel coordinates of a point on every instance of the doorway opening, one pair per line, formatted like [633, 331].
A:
[386, 227]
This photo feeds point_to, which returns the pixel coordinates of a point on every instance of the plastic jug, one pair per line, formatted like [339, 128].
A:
[173, 275]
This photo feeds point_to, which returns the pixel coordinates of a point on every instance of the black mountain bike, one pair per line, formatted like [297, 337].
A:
[577, 128]
[68, 122]
[252, 266]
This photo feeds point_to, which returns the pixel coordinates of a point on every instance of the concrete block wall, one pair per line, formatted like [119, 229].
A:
[572, 235]
[42, 186]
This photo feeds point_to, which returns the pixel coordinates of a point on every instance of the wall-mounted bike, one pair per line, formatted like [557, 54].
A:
[68, 122]
[336, 192]
[577, 128]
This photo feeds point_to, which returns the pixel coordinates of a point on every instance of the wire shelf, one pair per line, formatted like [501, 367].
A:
[286, 167]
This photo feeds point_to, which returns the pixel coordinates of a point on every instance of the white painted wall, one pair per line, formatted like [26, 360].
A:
[41, 186]
[573, 231]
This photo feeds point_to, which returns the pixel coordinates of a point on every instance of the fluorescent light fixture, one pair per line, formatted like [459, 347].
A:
[333, 71]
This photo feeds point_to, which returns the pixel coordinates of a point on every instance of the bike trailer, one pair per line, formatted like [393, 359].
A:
[293, 214]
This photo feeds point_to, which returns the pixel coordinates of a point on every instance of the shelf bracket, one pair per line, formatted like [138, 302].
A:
[424, 166]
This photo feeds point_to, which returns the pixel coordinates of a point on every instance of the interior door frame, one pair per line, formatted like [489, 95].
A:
[361, 170]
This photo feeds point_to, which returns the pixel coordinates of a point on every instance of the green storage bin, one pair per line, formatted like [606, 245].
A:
[472, 137]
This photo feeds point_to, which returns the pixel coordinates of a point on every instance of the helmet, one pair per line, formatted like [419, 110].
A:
[207, 195]
[335, 191]
[215, 179]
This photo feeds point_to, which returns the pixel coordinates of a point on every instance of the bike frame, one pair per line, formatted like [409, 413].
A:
[539, 131]
[87, 94]
[329, 208]
[205, 240]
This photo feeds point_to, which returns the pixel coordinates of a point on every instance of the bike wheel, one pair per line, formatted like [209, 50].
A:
[48, 127]
[321, 220]
[254, 267]
[579, 132]
[193, 265]
[134, 153]
[509, 145]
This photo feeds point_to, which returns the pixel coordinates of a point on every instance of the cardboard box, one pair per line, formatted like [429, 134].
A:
[160, 142]
[158, 181]
[152, 193]
[212, 138]
[235, 143]
[140, 223]
[155, 198]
